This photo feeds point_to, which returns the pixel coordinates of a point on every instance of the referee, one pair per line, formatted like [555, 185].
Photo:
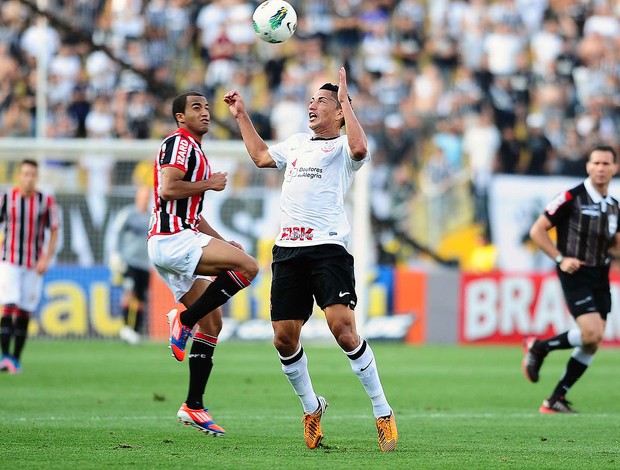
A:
[586, 220]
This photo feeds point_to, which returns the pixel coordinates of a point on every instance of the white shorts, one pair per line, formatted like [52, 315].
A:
[175, 258]
[20, 286]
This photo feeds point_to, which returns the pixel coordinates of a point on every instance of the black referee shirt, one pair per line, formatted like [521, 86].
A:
[586, 223]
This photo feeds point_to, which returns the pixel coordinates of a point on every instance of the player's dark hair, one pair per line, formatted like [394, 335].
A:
[29, 161]
[180, 101]
[334, 89]
[604, 148]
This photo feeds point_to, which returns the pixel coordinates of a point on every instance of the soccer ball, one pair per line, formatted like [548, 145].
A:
[274, 21]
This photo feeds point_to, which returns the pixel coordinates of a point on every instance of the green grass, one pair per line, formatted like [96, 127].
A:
[102, 404]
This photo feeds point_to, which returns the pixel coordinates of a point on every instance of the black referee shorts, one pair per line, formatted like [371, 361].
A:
[587, 290]
[324, 273]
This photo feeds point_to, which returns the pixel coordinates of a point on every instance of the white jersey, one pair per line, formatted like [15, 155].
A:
[318, 174]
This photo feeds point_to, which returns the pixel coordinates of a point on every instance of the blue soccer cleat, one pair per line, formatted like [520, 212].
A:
[179, 334]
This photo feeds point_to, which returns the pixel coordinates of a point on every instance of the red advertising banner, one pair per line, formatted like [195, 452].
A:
[504, 308]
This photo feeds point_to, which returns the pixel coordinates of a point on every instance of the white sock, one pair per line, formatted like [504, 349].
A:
[295, 368]
[582, 356]
[574, 337]
[364, 366]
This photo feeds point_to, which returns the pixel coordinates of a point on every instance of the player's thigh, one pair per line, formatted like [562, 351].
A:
[10, 284]
[291, 293]
[30, 290]
[219, 256]
[333, 281]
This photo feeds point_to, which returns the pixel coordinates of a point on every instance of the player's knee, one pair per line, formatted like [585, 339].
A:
[285, 345]
[347, 339]
[591, 339]
[251, 268]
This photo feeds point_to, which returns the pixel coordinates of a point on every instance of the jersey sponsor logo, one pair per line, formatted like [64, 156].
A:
[297, 233]
[557, 202]
[181, 156]
[592, 210]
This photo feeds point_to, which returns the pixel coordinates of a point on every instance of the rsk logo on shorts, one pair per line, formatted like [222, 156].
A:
[296, 233]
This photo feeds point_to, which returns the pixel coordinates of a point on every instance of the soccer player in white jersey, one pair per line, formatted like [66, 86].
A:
[29, 221]
[185, 250]
[310, 260]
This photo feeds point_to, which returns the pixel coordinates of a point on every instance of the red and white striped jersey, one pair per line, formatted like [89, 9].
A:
[24, 221]
[182, 151]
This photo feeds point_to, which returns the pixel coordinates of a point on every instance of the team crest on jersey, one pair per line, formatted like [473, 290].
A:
[612, 224]
[328, 147]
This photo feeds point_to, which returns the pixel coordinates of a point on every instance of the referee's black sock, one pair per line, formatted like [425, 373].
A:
[219, 291]
[557, 342]
[200, 365]
[574, 370]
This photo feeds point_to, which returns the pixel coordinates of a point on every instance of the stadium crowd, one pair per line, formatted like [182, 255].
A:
[443, 88]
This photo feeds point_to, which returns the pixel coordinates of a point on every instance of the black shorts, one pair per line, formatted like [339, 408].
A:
[137, 281]
[587, 290]
[324, 273]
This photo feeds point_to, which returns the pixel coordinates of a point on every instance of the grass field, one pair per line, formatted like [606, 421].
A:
[103, 404]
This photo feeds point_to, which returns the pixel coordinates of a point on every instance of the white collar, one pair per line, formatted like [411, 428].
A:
[596, 197]
[594, 194]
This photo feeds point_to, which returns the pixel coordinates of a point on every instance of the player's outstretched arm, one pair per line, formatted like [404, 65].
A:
[255, 145]
[355, 133]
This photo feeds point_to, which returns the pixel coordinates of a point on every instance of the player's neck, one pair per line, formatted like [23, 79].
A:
[324, 137]
[26, 192]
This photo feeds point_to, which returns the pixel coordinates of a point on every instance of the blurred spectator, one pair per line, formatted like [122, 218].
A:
[509, 153]
[481, 142]
[540, 153]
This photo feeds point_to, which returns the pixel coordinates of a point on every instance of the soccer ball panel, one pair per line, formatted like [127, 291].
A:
[274, 21]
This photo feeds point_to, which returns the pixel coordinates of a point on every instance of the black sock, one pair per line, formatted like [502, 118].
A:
[21, 333]
[200, 365]
[6, 331]
[219, 291]
[574, 370]
[557, 342]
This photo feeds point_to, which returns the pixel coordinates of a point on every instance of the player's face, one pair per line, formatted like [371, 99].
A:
[324, 113]
[28, 175]
[196, 117]
[601, 167]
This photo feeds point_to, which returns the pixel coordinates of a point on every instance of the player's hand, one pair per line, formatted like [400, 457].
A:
[218, 181]
[343, 93]
[236, 245]
[42, 265]
[235, 103]
[571, 265]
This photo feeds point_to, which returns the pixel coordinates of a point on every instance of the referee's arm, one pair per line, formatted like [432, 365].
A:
[539, 233]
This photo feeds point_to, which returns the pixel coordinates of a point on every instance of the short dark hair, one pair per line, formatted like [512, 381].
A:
[180, 101]
[604, 148]
[334, 89]
[29, 161]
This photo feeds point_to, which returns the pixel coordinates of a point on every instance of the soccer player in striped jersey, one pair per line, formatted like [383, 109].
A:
[586, 222]
[30, 230]
[186, 250]
[310, 260]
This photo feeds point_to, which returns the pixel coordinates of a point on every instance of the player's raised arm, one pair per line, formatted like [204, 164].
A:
[255, 145]
[355, 133]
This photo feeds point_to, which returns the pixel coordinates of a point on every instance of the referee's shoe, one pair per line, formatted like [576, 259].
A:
[532, 360]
